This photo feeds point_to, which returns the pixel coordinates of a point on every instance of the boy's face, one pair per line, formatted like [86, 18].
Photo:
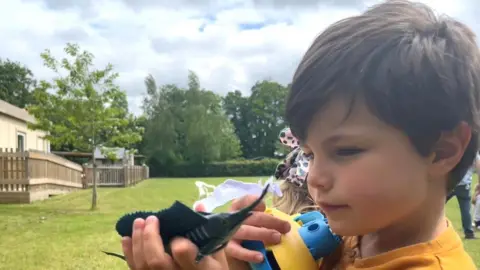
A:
[364, 174]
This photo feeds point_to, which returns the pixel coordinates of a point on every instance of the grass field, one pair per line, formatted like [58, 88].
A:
[61, 233]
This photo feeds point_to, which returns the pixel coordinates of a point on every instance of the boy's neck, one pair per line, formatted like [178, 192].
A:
[422, 226]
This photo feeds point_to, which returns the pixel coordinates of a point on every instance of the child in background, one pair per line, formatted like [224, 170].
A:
[476, 196]
[476, 207]
[292, 173]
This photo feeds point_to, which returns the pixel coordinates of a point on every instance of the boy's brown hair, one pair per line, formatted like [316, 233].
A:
[417, 72]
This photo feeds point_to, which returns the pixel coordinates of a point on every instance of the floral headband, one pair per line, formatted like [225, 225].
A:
[294, 168]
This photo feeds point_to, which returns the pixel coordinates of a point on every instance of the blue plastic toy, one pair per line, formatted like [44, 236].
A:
[309, 240]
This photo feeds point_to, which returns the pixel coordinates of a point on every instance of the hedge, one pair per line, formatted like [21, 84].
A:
[229, 168]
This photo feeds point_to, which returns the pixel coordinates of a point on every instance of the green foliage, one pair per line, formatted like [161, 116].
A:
[186, 125]
[82, 107]
[16, 83]
[195, 126]
[109, 153]
[231, 168]
[240, 114]
[258, 118]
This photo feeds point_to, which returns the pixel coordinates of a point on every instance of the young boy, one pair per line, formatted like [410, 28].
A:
[385, 105]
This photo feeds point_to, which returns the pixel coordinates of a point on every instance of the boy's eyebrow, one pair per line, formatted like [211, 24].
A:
[347, 135]
[336, 138]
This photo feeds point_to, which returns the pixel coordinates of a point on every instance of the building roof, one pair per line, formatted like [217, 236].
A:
[15, 112]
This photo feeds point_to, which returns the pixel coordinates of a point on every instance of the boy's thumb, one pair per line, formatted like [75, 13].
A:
[200, 208]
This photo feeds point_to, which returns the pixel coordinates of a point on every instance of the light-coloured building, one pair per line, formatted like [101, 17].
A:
[14, 133]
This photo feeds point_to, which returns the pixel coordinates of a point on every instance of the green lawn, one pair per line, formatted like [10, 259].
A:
[61, 233]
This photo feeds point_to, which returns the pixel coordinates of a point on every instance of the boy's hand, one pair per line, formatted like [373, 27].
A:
[258, 227]
[145, 251]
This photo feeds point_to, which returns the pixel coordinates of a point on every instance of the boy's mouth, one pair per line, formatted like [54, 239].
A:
[329, 208]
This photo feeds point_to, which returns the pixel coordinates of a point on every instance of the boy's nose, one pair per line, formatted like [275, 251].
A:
[319, 179]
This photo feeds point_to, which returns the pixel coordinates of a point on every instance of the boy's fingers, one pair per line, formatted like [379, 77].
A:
[236, 251]
[184, 252]
[234, 263]
[220, 257]
[267, 236]
[154, 252]
[245, 201]
[137, 243]
[128, 252]
[260, 219]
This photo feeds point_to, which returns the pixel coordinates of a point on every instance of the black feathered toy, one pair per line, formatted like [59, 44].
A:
[209, 232]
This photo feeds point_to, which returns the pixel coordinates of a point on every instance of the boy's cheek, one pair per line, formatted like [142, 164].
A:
[363, 199]
[386, 199]
[358, 184]
[381, 175]
[372, 190]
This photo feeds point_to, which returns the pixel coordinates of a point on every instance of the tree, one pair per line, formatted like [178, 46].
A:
[82, 106]
[163, 137]
[138, 123]
[239, 111]
[186, 125]
[267, 103]
[258, 118]
[16, 83]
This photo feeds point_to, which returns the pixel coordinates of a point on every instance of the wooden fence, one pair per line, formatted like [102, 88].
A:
[29, 176]
[116, 175]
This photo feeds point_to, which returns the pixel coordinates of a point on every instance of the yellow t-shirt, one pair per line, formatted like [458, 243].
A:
[446, 252]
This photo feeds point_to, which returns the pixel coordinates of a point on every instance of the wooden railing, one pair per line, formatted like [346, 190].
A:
[116, 175]
[13, 172]
[29, 176]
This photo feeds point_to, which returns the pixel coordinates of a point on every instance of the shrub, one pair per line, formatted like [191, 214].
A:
[265, 167]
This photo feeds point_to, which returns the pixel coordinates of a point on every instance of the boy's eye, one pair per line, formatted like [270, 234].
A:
[349, 151]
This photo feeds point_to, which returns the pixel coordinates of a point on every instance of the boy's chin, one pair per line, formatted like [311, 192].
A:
[346, 229]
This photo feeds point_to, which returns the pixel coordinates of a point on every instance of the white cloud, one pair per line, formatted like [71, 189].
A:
[163, 37]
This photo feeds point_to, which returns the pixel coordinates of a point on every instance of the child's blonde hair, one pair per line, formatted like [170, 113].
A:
[295, 199]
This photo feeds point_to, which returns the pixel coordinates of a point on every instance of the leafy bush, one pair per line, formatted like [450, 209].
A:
[229, 168]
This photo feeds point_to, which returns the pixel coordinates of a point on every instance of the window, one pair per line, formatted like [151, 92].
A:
[21, 141]
[40, 144]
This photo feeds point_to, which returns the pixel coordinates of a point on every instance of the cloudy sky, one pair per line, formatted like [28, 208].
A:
[229, 43]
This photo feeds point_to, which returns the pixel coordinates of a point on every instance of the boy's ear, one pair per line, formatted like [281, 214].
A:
[449, 149]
